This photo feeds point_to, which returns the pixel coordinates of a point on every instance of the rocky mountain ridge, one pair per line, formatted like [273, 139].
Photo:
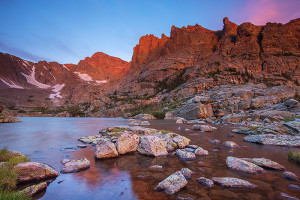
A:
[163, 70]
[24, 83]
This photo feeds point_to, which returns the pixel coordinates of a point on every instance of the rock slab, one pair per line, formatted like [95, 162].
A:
[173, 183]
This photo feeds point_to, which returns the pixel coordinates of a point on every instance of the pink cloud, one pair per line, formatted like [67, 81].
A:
[260, 12]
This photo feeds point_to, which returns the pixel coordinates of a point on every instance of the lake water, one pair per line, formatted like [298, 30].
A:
[48, 140]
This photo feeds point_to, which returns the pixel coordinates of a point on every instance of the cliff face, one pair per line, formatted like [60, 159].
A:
[250, 53]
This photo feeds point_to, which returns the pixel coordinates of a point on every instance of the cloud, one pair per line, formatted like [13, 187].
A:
[20, 53]
[260, 12]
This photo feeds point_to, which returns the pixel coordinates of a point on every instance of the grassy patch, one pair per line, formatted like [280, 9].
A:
[116, 130]
[165, 131]
[8, 174]
[253, 128]
[294, 155]
[12, 195]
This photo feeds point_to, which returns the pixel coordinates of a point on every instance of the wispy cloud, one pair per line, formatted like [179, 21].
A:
[20, 53]
[260, 12]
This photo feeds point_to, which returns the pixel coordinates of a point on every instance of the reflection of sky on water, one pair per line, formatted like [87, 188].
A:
[128, 176]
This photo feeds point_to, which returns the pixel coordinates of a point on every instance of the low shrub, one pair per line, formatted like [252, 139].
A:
[294, 155]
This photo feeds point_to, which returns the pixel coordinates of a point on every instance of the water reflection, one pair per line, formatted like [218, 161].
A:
[128, 176]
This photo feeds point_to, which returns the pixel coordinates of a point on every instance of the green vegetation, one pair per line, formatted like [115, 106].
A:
[269, 82]
[214, 73]
[159, 114]
[116, 130]
[294, 155]
[8, 175]
[290, 118]
[297, 97]
[253, 128]
[73, 110]
[171, 84]
[165, 131]
[12, 195]
[95, 110]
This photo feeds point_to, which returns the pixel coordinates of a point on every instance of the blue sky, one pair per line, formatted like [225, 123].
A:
[70, 30]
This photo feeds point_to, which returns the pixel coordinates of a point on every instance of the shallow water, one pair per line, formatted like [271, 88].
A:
[127, 177]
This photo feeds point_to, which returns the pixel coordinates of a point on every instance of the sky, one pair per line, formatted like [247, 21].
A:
[67, 31]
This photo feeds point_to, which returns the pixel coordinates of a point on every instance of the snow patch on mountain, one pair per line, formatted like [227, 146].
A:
[12, 84]
[84, 77]
[100, 82]
[64, 66]
[56, 89]
[31, 79]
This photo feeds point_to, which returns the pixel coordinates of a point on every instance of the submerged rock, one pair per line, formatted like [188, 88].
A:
[105, 149]
[127, 142]
[232, 182]
[185, 155]
[205, 181]
[265, 163]
[156, 168]
[187, 173]
[205, 128]
[201, 152]
[172, 184]
[270, 139]
[294, 187]
[34, 189]
[286, 196]
[152, 146]
[230, 144]
[34, 171]
[290, 176]
[75, 165]
[243, 166]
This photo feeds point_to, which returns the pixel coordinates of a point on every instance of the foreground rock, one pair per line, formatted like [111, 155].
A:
[144, 116]
[187, 173]
[105, 149]
[34, 189]
[232, 182]
[294, 125]
[205, 181]
[265, 163]
[290, 176]
[8, 119]
[278, 140]
[34, 171]
[152, 146]
[127, 142]
[185, 155]
[230, 144]
[173, 183]
[181, 141]
[71, 166]
[243, 166]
